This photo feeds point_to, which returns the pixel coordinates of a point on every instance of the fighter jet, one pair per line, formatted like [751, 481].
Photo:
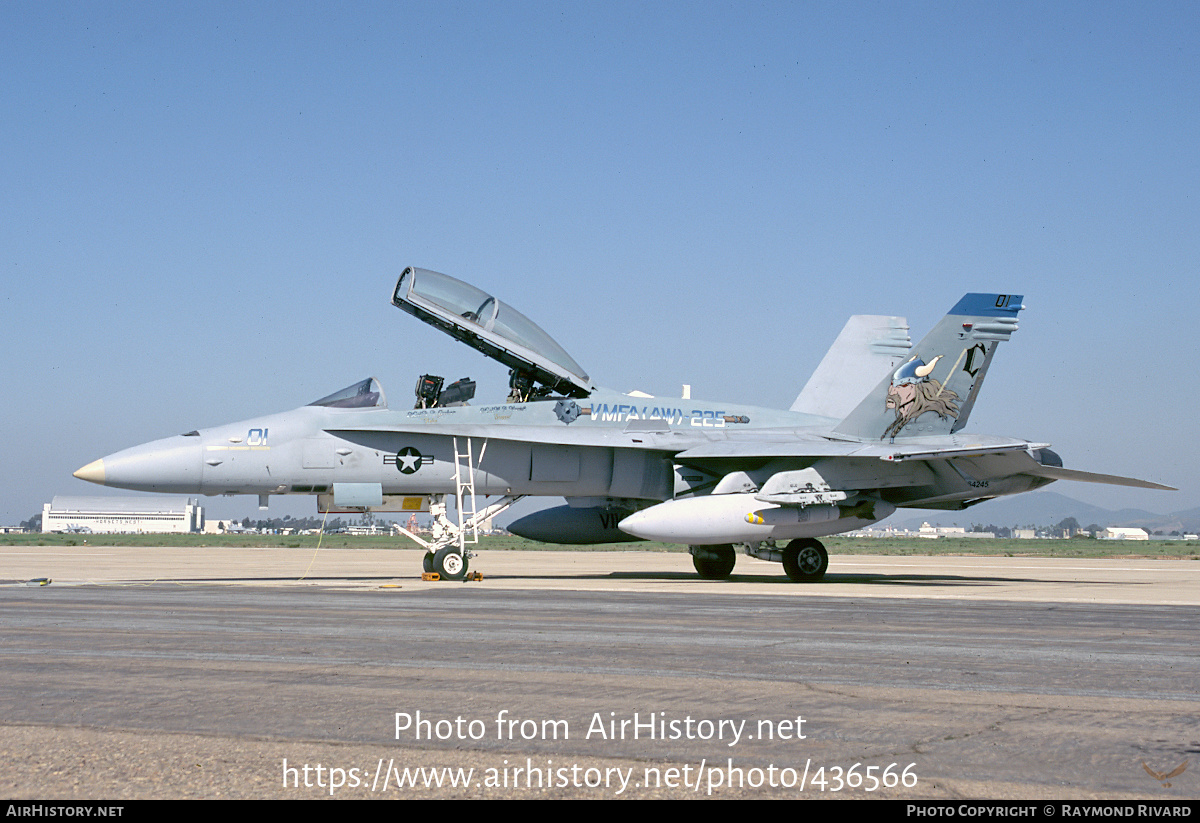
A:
[877, 427]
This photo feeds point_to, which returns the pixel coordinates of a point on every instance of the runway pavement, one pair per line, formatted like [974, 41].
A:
[1137, 580]
[274, 673]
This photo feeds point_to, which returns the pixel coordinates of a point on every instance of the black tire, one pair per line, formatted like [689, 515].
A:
[805, 560]
[427, 562]
[716, 562]
[449, 564]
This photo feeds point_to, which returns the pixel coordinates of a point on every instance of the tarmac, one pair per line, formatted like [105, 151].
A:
[1125, 580]
[288, 673]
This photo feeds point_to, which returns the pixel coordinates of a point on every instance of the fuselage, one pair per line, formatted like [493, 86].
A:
[608, 446]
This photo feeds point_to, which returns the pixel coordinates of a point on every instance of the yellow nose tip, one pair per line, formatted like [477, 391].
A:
[93, 472]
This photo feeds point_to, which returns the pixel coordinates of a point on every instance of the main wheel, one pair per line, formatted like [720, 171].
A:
[714, 562]
[806, 560]
[427, 562]
[449, 564]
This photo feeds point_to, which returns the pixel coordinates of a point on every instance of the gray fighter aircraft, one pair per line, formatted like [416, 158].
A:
[877, 427]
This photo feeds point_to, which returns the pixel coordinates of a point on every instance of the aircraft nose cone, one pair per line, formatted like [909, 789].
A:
[93, 472]
[162, 466]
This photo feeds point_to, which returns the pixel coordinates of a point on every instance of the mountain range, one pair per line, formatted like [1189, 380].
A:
[1046, 508]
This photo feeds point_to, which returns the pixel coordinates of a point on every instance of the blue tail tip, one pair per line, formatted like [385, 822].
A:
[989, 305]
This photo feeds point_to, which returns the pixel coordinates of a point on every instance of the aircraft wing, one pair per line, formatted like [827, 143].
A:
[825, 447]
[1021, 457]
[763, 446]
[656, 435]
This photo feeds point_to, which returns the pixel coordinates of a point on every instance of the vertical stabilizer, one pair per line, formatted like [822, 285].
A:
[868, 347]
[934, 390]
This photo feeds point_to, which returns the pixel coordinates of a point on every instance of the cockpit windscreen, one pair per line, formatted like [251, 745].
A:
[364, 394]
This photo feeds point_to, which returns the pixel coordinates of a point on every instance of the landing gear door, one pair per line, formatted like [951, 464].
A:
[494, 328]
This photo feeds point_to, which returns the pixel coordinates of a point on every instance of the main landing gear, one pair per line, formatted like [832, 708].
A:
[804, 560]
[713, 562]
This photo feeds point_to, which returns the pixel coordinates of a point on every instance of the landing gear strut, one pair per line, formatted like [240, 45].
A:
[447, 553]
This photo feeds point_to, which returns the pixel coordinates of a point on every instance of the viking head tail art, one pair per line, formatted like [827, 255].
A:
[913, 392]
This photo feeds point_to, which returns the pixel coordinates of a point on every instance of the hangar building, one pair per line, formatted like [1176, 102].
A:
[123, 515]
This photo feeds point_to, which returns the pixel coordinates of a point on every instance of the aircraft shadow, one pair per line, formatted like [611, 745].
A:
[681, 577]
[782, 580]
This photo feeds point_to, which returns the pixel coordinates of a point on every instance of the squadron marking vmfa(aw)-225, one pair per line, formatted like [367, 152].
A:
[715, 476]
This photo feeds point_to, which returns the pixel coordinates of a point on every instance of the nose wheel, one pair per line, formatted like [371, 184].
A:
[448, 563]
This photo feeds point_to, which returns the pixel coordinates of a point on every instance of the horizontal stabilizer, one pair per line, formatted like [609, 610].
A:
[1059, 473]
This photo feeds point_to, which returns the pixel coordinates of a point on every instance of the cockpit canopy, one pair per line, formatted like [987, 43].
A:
[365, 394]
[491, 326]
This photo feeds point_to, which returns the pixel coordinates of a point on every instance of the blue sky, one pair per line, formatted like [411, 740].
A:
[207, 205]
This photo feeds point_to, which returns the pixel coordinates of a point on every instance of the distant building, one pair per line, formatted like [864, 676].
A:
[225, 527]
[1122, 533]
[927, 530]
[373, 530]
[123, 515]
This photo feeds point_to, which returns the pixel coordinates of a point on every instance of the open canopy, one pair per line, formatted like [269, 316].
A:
[491, 326]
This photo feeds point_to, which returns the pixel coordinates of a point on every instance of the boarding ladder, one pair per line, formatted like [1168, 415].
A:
[464, 491]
